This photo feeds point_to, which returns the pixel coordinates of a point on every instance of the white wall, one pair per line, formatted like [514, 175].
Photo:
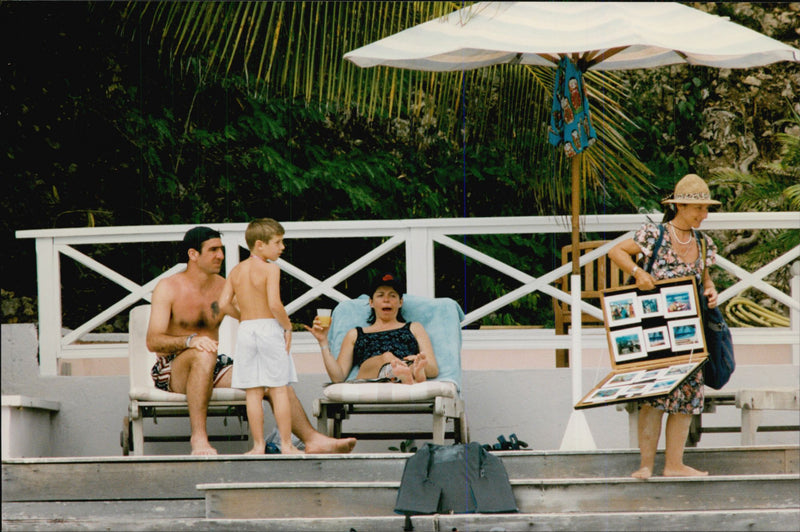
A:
[533, 403]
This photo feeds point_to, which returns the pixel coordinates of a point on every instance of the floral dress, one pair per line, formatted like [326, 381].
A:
[688, 397]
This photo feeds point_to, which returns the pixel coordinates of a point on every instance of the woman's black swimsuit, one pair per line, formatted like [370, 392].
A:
[400, 341]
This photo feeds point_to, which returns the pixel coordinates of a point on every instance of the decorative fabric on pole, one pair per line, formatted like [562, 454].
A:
[570, 122]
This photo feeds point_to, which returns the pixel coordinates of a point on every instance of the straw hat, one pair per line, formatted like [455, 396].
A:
[692, 189]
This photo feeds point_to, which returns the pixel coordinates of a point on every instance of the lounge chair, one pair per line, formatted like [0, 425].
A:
[439, 397]
[147, 401]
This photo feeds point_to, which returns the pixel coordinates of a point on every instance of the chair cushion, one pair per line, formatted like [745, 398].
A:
[386, 392]
[151, 393]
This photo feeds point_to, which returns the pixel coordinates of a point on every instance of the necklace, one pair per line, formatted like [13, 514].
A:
[678, 240]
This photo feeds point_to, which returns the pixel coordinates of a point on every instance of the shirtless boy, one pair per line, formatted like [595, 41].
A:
[184, 333]
[265, 333]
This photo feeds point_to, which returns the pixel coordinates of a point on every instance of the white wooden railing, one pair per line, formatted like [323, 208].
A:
[418, 236]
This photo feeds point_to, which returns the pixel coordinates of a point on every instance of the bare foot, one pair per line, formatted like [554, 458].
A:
[418, 368]
[290, 449]
[204, 451]
[684, 471]
[321, 444]
[402, 372]
[643, 473]
[202, 448]
[257, 449]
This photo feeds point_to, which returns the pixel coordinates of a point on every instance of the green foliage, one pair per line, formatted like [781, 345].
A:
[17, 309]
[665, 128]
[294, 51]
[406, 446]
[172, 123]
[772, 187]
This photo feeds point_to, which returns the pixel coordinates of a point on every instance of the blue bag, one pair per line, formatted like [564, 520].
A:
[719, 343]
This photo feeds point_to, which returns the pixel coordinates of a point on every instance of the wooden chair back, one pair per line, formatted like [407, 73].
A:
[596, 276]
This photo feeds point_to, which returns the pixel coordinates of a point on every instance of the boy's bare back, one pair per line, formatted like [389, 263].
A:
[252, 281]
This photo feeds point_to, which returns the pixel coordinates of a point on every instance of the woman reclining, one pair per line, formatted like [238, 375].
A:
[389, 348]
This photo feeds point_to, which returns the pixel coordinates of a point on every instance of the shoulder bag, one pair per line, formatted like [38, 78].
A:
[719, 344]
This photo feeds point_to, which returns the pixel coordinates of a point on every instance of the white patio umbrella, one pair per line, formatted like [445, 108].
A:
[595, 35]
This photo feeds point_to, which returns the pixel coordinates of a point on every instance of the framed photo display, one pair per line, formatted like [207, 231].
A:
[655, 341]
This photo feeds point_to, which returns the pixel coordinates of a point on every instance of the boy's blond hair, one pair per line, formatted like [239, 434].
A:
[262, 229]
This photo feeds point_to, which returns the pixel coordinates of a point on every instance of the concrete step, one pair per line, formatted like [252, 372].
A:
[752, 520]
[270, 500]
[176, 477]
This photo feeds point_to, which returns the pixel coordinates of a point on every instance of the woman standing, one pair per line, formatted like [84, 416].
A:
[679, 255]
[388, 348]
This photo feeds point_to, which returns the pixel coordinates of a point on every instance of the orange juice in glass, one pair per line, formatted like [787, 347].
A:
[324, 316]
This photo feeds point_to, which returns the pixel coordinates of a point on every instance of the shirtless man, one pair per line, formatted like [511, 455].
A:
[184, 332]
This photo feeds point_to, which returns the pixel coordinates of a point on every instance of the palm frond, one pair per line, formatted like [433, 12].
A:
[295, 49]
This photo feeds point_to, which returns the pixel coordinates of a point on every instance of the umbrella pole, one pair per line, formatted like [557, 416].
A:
[562, 355]
[577, 436]
[575, 170]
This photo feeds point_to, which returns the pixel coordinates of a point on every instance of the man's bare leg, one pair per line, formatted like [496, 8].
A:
[192, 374]
[315, 442]
[649, 433]
[677, 431]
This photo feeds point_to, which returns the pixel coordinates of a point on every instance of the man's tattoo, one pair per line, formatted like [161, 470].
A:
[215, 309]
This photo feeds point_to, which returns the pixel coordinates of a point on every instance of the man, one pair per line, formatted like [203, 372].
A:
[184, 332]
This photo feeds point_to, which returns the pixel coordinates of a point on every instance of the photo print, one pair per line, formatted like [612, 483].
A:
[621, 309]
[679, 301]
[634, 390]
[650, 375]
[622, 378]
[663, 385]
[605, 394]
[656, 339]
[628, 344]
[686, 334]
[652, 305]
[679, 371]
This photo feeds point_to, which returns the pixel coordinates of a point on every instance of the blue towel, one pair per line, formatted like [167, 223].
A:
[570, 122]
[441, 318]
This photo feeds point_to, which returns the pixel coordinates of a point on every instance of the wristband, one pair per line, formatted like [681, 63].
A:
[189, 339]
[634, 270]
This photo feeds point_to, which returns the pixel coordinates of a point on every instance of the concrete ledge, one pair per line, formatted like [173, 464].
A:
[753, 401]
[753, 520]
[26, 425]
[269, 500]
[768, 398]
[23, 401]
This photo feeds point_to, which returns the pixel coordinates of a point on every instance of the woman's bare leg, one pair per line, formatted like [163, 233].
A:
[418, 368]
[677, 431]
[649, 433]
[402, 372]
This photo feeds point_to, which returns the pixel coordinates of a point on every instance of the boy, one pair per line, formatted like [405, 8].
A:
[265, 333]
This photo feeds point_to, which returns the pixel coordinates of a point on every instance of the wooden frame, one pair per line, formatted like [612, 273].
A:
[655, 341]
